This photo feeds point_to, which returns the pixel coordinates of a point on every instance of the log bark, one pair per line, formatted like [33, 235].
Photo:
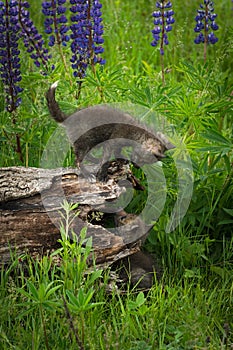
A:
[31, 213]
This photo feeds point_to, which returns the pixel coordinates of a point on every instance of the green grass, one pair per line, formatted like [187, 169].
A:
[51, 307]
[192, 306]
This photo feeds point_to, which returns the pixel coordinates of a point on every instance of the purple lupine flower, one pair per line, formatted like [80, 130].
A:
[205, 21]
[163, 20]
[33, 41]
[9, 53]
[87, 31]
[15, 24]
[56, 22]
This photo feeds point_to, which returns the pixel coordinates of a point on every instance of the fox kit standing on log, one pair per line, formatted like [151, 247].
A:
[100, 124]
[92, 126]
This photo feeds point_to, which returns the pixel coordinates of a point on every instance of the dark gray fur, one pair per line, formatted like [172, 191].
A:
[92, 126]
[140, 269]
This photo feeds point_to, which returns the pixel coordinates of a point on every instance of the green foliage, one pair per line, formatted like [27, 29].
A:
[65, 306]
[38, 311]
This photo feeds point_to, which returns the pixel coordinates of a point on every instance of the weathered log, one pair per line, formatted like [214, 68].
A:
[31, 212]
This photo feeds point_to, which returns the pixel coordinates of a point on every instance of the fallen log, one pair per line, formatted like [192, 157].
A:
[31, 212]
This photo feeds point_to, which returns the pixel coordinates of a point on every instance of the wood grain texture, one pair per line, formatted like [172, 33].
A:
[31, 212]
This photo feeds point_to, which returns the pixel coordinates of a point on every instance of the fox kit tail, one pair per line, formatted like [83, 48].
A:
[53, 106]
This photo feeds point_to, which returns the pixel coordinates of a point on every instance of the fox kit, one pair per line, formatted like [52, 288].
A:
[100, 124]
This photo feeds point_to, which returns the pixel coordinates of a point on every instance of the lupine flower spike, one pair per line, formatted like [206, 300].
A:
[9, 53]
[206, 25]
[32, 39]
[87, 40]
[56, 21]
[15, 24]
[56, 25]
[10, 61]
[163, 20]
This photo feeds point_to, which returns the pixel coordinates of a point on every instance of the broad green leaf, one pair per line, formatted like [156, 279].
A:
[228, 211]
[32, 289]
[225, 222]
[74, 301]
[215, 136]
[140, 299]
[52, 290]
[222, 272]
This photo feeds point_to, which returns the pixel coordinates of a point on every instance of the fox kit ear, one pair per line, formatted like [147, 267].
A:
[53, 106]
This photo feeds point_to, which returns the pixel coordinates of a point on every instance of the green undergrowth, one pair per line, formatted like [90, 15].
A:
[45, 306]
[60, 303]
